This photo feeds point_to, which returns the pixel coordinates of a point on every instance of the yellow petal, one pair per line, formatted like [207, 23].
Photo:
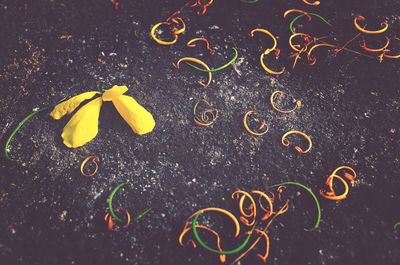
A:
[83, 126]
[114, 92]
[71, 104]
[139, 119]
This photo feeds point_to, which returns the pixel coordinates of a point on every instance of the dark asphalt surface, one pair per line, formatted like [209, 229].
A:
[50, 214]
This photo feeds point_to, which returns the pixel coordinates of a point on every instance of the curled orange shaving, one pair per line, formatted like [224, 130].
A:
[297, 47]
[204, 6]
[111, 222]
[266, 68]
[266, 237]
[280, 190]
[253, 209]
[275, 42]
[262, 125]
[297, 56]
[177, 31]
[206, 118]
[269, 212]
[94, 159]
[160, 41]
[385, 55]
[192, 44]
[313, 59]
[287, 12]
[286, 142]
[384, 26]
[282, 210]
[277, 94]
[195, 60]
[348, 176]
[331, 194]
[222, 211]
[316, 3]
[364, 46]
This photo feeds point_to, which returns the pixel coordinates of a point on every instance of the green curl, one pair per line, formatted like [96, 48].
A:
[204, 245]
[317, 222]
[110, 200]
[213, 70]
[302, 15]
[20, 124]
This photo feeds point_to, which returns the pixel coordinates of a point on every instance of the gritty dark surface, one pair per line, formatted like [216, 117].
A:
[51, 214]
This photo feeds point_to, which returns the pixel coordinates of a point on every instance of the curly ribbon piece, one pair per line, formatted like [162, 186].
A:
[313, 59]
[315, 3]
[19, 126]
[268, 51]
[290, 11]
[267, 69]
[263, 124]
[206, 117]
[277, 94]
[174, 31]
[195, 60]
[111, 224]
[242, 195]
[248, 214]
[111, 198]
[213, 70]
[331, 194]
[204, 245]
[396, 225]
[297, 47]
[91, 158]
[385, 55]
[384, 26]
[286, 142]
[317, 205]
[176, 19]
[191, 44]
[249, 1]
[202, 5]
[364, 46]
[281, 211]
[160, 41]
[268, 33]
[308, 15]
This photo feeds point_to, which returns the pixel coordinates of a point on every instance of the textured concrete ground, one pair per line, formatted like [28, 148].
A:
[50, 214]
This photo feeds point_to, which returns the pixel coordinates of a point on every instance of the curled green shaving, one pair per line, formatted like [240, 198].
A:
[20, 124]
[197, 105]
[291, 25]
[249, 1]
[213, 70]
[396, 225]
[316, 226]
[140, 216]
[110, 200]
[225, 252]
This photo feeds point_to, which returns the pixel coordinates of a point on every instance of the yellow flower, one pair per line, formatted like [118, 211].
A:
[83, 126]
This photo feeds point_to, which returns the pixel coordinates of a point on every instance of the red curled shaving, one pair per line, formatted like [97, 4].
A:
[191, 44]
[111, 223]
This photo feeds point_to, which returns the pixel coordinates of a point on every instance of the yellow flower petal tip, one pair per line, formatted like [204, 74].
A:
[139, 119]
[114, 92]
[83, 126]
[68, 106]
